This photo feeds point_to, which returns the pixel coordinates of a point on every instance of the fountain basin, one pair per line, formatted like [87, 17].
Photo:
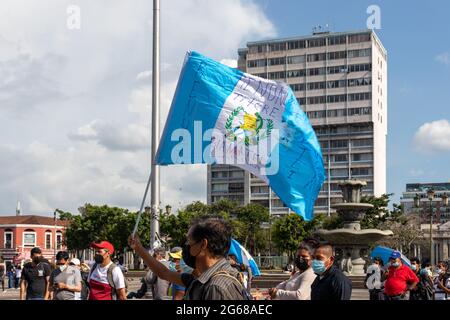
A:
[352, 237]
[352, 211]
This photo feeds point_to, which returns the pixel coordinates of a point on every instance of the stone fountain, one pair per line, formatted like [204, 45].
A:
[351, 241]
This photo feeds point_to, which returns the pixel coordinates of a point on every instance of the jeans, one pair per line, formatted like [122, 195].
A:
[11, 279]
[38, 298]
[401, 297]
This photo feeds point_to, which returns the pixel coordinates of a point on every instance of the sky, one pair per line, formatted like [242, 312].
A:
[75, 103]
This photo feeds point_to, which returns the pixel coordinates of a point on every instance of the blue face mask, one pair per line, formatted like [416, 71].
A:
[413, 267]
[318, 266]
[395, 264]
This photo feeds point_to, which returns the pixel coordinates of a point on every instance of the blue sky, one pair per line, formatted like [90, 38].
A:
[415, 35]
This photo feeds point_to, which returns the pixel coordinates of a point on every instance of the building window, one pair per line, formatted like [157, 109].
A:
[48, 240]
[298, 87]
[359, 82]
[236, 174]
[361, 157]
[362, 143]
[296, 44]
[220, 187]
[359, 53]
[295, 73]
[316, 114]
[360, 67]
[277, 61]
[339, 173]
[58, 241]
[359, 111]
[337, 55]
[296, 59]
[321, 202]
[356, 38]
[320, 42]
[337, 144]
[260, 190]
[277, 47]
[340, 158]
[236, 187]
[257, 63]
[337, 40]
[219, 174]
[360, 96]
[8, 239]
[316, 57]
[29, 238]
[362, 171]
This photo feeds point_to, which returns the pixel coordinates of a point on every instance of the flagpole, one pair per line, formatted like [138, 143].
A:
[155, 126]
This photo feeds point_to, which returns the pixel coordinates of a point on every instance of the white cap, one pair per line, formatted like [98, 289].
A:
[75, 261]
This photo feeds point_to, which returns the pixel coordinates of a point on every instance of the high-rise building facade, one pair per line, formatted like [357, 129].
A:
[340, 81]
[441, 212]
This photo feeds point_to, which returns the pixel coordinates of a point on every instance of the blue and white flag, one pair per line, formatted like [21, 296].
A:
[220, 115]
[243, 257]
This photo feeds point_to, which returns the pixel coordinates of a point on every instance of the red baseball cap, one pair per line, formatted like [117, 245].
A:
[103, 245]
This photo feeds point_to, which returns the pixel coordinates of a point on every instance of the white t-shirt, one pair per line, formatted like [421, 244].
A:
[100, 274]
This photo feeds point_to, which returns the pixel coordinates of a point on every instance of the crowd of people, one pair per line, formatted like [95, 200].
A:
[397, 281]
[215, 275]
[203, 269]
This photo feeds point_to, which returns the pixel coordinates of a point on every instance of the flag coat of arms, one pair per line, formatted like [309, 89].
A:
[221, 115]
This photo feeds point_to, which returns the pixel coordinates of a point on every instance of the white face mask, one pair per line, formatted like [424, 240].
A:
[62, 268]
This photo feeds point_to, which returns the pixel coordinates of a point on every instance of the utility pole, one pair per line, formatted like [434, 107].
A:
[155, 126]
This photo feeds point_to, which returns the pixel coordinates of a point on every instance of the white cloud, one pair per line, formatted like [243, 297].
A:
[230, 62]
[84, 96]
[114, 136]
[433, 137]
[443, 58]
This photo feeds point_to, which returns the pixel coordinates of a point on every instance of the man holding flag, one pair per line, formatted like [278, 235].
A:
[220, 115]
[206, 248]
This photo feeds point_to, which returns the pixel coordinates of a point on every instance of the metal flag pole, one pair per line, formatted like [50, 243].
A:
[154, 189]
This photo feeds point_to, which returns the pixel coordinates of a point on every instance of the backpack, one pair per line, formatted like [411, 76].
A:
[425, 288]
[109, 275]
[244, 292]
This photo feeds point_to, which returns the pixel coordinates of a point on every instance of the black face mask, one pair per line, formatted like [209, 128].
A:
[301, 264]
[187, 257]
[98, 258]
[36, 260]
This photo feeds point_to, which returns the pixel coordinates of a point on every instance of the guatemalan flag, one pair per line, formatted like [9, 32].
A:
[243, 257]
[220, 115]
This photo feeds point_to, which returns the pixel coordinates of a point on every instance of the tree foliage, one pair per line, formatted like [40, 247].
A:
[289, 231]
[96, 223]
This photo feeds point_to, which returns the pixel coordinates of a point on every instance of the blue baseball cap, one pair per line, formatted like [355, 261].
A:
[395, 255]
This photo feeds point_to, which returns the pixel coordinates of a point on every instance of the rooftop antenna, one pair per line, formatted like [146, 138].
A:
[18, 210]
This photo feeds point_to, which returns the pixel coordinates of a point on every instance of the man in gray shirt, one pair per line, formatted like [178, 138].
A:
[65, 280]
[158, 286]
[213, 278]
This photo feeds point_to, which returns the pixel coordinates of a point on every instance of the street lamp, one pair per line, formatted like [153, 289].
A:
[55, 241]
[430, 194]
[445, 199]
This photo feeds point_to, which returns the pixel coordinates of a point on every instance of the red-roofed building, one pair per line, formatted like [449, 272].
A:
[19, 234]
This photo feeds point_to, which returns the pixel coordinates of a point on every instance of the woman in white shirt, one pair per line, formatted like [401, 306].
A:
[298, 287]
[442, 282]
